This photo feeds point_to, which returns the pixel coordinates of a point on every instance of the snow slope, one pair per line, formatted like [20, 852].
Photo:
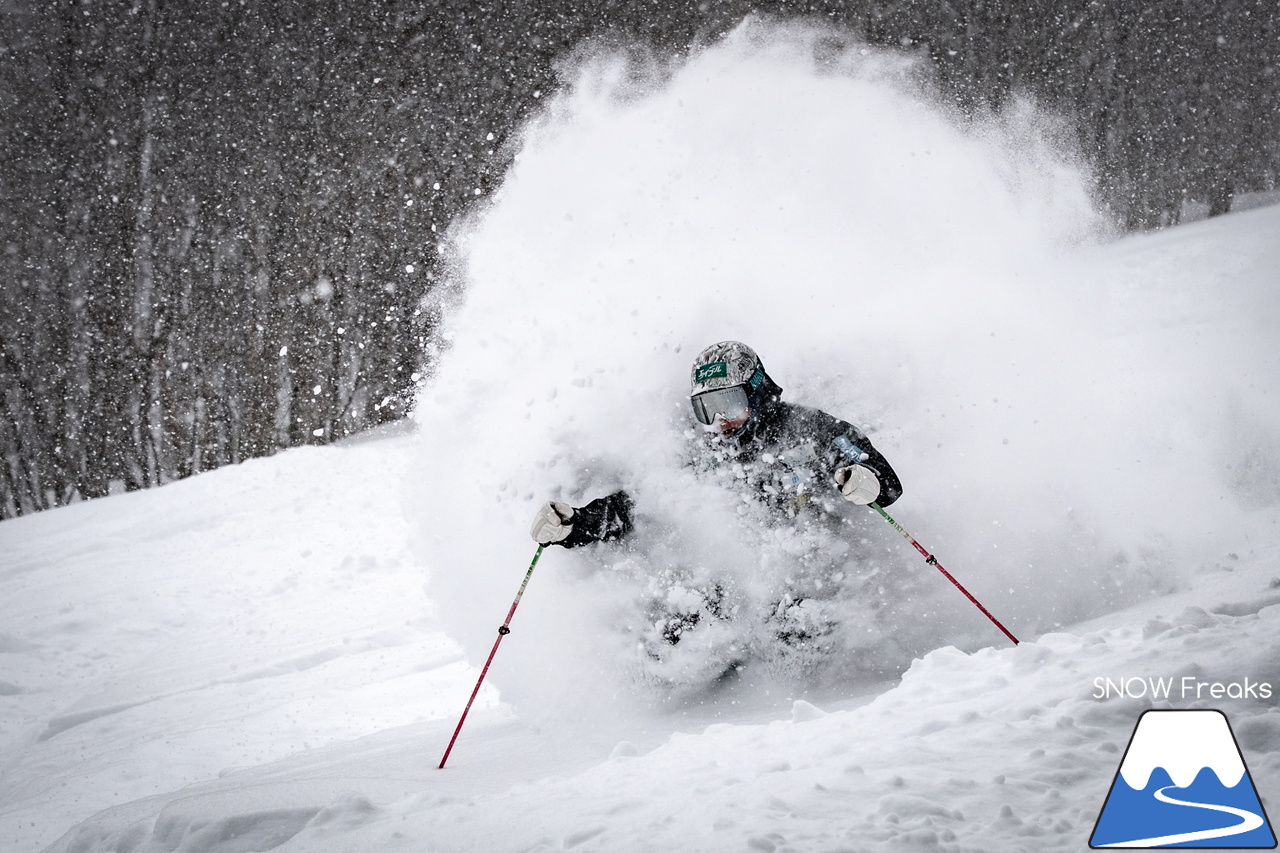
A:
[273, 656]
[321, 747]
[154, 639]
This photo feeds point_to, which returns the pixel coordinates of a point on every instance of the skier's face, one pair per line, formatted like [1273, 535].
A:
[726, 427]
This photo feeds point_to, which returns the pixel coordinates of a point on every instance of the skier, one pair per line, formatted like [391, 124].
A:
[793, 457]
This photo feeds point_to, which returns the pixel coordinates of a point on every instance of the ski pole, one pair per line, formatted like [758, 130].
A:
[933, 561]
[502, 632]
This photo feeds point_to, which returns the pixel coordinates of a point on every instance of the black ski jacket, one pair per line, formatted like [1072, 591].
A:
[786, 454]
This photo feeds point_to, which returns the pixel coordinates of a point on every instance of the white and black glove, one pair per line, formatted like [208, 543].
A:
[858, 484]
[552, 523]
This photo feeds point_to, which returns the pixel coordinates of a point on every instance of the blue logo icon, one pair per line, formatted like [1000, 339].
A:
[1183, 783]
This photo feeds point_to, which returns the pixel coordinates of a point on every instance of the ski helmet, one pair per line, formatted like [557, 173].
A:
[729, 366]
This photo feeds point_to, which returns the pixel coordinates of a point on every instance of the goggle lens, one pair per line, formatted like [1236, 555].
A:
[730, 403]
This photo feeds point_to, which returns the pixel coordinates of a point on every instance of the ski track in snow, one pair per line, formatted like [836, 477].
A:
[273, 656]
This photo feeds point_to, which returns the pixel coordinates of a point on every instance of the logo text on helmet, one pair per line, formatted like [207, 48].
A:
[714, 370]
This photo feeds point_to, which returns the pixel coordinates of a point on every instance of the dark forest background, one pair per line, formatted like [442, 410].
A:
[219, 220]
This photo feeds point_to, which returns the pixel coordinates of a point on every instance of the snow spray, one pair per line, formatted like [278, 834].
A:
[935, 280]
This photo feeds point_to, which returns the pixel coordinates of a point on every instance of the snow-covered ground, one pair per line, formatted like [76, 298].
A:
[273, 656]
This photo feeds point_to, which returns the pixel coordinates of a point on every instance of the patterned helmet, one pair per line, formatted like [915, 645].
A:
[725, 365]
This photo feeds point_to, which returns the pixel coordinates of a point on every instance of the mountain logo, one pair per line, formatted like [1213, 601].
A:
[1183, 783]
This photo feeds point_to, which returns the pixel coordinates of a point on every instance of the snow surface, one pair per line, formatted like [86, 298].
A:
[273, 656]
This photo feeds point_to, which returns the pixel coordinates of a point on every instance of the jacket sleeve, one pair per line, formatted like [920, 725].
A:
[601, 520]
[849, 445]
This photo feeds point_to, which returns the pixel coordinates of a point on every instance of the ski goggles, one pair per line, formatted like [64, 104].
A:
[731, 404]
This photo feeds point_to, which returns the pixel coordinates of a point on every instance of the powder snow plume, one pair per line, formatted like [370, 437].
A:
[926, 276]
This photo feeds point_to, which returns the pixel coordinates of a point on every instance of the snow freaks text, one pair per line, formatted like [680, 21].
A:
[1186, 687]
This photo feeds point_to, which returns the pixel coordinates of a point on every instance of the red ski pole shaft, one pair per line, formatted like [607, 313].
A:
[502, 632]
[933, 561]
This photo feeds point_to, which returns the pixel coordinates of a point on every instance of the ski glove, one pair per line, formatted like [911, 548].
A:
[858, 484]
[551, 524]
